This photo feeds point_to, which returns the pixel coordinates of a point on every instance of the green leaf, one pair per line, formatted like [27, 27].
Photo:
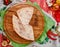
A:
[2, 13]
[46, 39]
[18, 45]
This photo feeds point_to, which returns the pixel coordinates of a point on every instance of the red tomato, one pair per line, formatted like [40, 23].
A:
[1, 38]
[9, 46]
[56, 15]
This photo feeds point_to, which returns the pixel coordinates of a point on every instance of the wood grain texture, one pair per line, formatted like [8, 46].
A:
[37, 22]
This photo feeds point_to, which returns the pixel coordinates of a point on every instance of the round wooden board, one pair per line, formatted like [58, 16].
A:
[37, 22]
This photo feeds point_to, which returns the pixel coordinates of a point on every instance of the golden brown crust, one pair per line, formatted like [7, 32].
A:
[37, 22]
